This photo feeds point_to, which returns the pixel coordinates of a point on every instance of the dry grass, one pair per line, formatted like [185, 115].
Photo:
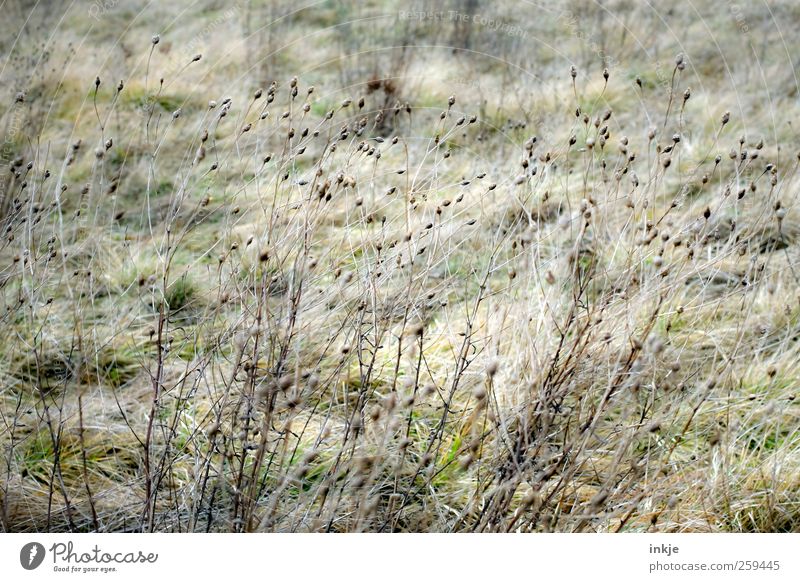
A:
[561, 299]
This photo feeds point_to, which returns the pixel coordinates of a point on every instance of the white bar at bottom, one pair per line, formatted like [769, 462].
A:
[401, 557]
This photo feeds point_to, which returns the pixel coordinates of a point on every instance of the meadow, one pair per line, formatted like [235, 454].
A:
[453, 266]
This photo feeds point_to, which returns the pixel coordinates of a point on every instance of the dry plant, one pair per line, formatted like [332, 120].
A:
[286, 310]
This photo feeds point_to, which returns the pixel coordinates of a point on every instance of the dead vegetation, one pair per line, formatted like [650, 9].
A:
[235, 303]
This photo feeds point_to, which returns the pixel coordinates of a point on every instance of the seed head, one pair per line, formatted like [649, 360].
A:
[285, 382]
[492, 367]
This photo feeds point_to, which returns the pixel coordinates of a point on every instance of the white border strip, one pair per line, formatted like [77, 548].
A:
[401, 557]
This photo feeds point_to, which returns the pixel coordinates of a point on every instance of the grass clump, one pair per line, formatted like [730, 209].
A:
[237, 301]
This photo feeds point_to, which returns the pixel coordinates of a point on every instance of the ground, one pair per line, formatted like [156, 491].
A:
[460, 266]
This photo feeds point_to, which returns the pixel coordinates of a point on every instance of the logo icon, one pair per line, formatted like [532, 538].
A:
[31, 555]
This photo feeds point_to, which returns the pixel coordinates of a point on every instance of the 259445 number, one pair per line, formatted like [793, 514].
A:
[747, 565]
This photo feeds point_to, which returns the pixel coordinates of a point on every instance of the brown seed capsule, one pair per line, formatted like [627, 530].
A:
[285, 382]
